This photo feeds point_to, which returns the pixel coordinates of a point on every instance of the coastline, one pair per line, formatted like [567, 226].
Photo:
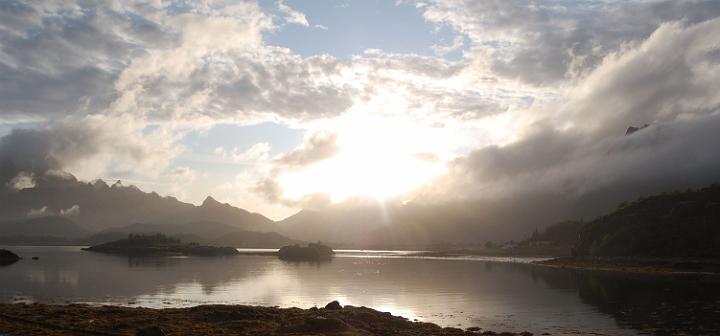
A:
[636, 265]
[74, 319]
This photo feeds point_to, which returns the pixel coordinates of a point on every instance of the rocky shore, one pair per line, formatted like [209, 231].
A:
[40, 319]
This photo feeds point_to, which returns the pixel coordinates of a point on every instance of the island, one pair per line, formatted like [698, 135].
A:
[158, 244]
[312, 252]
[8, 257]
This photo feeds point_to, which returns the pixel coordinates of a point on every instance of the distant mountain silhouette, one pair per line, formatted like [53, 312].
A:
[367, 223]
[249, 239]
[49, 226]
[204, 231]
[354, 223]
[98, 206]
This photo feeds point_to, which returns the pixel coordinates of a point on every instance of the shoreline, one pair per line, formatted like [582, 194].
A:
[80, 319]
[637, 266]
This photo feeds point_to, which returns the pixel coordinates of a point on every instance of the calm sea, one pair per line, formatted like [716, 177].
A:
[496, 294]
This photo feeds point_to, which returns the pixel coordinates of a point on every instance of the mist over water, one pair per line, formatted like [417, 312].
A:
[491, 294]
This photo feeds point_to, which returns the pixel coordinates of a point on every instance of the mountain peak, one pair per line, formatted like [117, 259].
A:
[210, 201]
[99, 184]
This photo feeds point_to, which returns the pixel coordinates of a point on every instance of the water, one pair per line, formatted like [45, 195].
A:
[497, 294]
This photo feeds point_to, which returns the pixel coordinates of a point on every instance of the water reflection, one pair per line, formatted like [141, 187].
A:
[495, 296]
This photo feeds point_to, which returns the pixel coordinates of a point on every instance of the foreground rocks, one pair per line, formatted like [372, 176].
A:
[38, 319]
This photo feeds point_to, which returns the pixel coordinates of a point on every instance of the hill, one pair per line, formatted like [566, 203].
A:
[203, 231]
[680, 224]
[250, 239]
[49, 226]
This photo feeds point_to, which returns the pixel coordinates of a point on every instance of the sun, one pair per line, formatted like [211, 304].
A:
[378, 157]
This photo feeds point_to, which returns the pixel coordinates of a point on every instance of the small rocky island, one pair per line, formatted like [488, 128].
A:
[158, 244]
[312, 252]
[8, 257]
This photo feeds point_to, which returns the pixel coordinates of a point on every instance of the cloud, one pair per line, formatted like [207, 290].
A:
[538, 102]
[205, 61]
[317, 147]
[71, 211]
[442, 50]
[23, 180]
[671, 75]
[57, 59]
[293, 16]
[547, 42]
[578, 162]
[184, 173]
[319, 26]
[89, 147]
[38, 212]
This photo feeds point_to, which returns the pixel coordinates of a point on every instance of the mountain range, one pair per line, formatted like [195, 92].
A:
[97, 206]
[58, 205]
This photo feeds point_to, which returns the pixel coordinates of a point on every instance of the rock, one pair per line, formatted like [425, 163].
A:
[324, 324]
[150, 331]
[35, 258]
[473, 329]
[333, 306]
[526, 333]
[633, 129]
[8, 257]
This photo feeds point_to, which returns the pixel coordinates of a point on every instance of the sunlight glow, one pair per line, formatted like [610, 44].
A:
[379, 157]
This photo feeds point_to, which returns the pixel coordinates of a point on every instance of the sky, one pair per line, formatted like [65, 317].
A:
[276, 106]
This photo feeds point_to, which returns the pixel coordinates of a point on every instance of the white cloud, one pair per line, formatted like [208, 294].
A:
[292, 16]
[257, 152]
[71, 211]
[38, 212]
[23, 180]
[442, 50]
